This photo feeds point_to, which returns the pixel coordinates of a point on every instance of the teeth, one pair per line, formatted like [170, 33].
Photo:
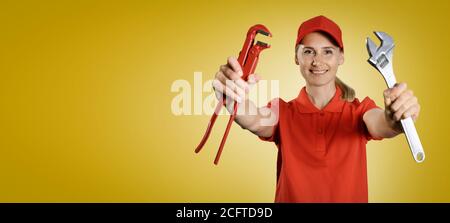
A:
[318, 71]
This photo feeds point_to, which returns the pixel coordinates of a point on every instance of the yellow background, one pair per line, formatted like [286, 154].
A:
[85, 97]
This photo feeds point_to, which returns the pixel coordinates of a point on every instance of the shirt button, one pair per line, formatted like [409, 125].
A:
[320, 131]
[322, 114]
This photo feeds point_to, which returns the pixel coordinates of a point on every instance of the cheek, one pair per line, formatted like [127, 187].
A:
[334, 64]
[303, 75]
[304, 69]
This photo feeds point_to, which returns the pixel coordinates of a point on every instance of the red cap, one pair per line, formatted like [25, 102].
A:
[320, 23]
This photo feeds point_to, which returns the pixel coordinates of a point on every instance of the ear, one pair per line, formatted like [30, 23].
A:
[295, 54]
[341, 58]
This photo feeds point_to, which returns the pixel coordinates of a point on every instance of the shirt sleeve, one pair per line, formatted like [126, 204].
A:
[366, 105]
[274, 105]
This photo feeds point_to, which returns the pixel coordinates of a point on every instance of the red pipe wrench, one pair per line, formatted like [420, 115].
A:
[248, 59]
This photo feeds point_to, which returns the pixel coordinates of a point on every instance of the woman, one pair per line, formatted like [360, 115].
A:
[322, 134]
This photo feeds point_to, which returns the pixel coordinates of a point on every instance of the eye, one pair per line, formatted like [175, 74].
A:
[307, 51]
[329, 52]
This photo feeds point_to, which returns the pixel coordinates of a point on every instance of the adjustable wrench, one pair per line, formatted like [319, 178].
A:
[248, 59]
[381, 59]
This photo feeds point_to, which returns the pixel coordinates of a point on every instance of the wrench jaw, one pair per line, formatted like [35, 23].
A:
[258, 29]
[249, 55]
[249, 42]
[387, 41]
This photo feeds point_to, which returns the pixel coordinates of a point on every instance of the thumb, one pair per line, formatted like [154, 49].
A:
[387, 103]
[387, 98]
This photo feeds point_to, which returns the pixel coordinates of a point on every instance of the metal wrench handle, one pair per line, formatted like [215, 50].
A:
[381, 59]
[413, 139]
[407, 124]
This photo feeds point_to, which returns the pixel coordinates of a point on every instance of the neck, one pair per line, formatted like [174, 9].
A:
[320, 96]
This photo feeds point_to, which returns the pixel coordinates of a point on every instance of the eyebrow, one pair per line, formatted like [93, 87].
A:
[325, 47]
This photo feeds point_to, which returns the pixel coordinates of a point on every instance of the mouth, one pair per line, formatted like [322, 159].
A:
[318, 72]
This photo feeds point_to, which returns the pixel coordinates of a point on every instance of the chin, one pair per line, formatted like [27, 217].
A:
[319, 79]
[317, 83]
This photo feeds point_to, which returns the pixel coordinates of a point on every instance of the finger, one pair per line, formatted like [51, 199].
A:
[397, 90]
[231, 94]
[402, 112]
[404, 97]
[221, 77]
[242, 84]
[217, 86]
[224, 90]
[406, 105]
[397, 116]
[387, 99]
[234, 64]
[387, 103]
[230, 73]
[235, 88]
[218, 89]
[415, 115]
[410, 112]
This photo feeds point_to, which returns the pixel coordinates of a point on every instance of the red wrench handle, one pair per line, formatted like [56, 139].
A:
[248, 68]
[225, 135]
[209, 128]
[248, 59]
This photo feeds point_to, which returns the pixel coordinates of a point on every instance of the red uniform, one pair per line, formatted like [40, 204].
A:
[322, 153]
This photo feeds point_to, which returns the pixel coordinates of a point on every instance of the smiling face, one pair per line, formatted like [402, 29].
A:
[319, 59]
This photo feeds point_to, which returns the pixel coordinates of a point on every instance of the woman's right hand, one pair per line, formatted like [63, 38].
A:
[228, 82]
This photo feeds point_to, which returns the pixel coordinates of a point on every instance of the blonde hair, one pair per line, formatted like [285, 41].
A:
[348, 93]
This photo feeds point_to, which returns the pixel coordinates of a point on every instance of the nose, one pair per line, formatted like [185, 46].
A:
[315, 61]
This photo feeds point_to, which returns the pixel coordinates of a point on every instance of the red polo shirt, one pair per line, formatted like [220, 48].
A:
[322, 153]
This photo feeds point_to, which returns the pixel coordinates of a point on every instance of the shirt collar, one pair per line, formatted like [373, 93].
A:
[306, 106]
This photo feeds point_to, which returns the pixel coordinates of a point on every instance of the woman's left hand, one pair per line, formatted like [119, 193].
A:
[400, 103]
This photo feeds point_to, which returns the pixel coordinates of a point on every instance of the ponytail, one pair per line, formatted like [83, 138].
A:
[348, 93]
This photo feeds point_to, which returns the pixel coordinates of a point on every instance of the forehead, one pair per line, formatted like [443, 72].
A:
[317, 39]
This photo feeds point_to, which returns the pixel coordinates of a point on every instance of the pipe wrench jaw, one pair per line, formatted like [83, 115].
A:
[264, 31]
[258, 29]
[381, 57]
[249, 42]
[263, 45]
